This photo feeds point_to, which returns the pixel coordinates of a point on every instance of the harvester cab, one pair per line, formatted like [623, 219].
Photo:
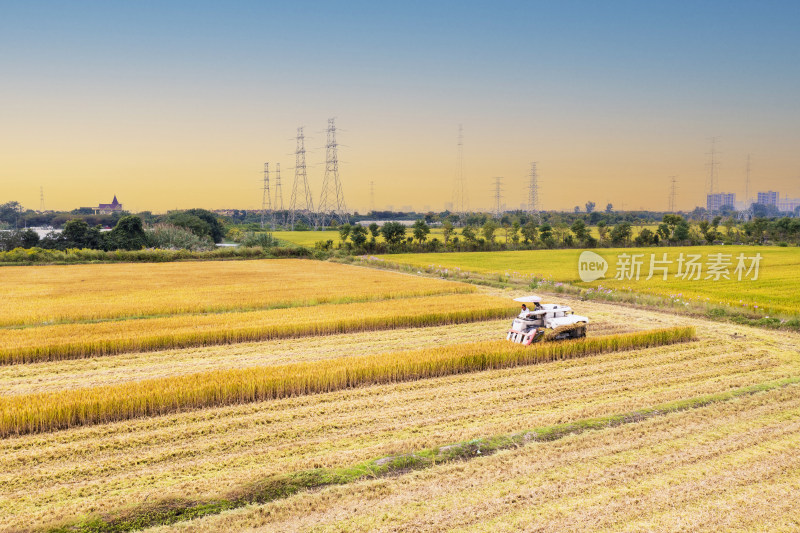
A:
[539, 321]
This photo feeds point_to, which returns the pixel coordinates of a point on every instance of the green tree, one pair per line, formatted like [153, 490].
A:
[447, 230]
[590, 206]
[621, 233]
[579, 229]
[530, 231]
[393, 232]
[344, 232]
[609, 208]
[468, 233]
[216, 228]
[358, 234]
[488, 230]
[420, 230]
[681, 232]
[128, 234]
[78, 234]
[190, 222]
[515, 227]
[374, 230]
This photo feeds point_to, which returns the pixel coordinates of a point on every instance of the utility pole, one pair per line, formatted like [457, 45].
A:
[372, 196]
[498, 189]
[459, 189]
[672, 193]
[331, 201]
[713, 167]
[300, 197]
[533, 192]
[266, 202]
[278, 205]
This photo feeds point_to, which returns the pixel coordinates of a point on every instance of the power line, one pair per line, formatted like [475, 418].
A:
[459, 188]
[533, 192]
[266, 202]
[278, 205]
[331, 199]
[498, 196]
[300, 181]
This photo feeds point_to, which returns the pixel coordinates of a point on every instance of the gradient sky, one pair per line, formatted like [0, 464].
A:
[178, 104]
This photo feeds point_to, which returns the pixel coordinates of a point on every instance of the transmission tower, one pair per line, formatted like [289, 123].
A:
[266, 202]
[673, 188]
[41, 198]
[713, 167]
[278, 205]
[331, 200]
[459, 189]
[498, 197]
[533, 192]
[301, 199]
[372, 196]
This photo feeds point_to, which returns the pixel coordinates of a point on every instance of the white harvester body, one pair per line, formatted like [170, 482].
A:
[557, 320]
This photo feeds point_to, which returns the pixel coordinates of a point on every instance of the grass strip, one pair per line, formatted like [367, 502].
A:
[34, 413]
[284, 485]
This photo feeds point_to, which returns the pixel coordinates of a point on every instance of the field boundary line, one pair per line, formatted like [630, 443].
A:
[282, 486]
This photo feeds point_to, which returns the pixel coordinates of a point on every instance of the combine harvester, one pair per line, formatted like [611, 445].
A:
[550, 321]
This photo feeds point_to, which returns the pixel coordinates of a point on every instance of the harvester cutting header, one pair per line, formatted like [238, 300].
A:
[537, 321]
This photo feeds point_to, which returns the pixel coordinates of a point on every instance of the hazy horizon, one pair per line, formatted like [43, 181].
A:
[179, 105]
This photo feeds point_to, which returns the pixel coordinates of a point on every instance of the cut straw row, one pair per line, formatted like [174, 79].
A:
[80, 407]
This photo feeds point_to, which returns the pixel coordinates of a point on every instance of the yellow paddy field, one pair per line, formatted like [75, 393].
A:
[776, 289]
[725, 430]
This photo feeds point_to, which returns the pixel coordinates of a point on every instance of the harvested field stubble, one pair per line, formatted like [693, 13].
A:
[203, 454]
[726, 466]
[73, 341]
[64, 409]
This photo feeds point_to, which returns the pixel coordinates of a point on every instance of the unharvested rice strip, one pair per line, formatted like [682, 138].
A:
[74, 341]
[59, 410]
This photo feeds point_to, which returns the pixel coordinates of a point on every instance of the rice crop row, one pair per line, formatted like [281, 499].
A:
[56, 294]
[51, 411]
[73, 341]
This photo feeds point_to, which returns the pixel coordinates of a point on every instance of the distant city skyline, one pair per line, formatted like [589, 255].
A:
[178, 105]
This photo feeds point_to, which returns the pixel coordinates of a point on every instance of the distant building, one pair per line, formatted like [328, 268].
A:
[108, 209]
[768, 198]
[788, 205]
[716, 201]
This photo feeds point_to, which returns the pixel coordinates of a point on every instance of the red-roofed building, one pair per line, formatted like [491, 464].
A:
[108, 209]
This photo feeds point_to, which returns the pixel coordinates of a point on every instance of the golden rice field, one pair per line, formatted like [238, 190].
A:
[70, 341]
[132, 427]
[101, 291]
[777, 289]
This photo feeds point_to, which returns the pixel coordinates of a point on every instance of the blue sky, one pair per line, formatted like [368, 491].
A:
[179, 104]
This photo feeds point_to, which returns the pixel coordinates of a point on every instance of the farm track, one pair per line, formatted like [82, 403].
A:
[213, 451]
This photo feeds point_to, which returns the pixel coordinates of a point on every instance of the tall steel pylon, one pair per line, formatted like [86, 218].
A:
[277, 206]
[673, 190]
[533, 192]
[498, 197]
[459, 188]
[41, 198]
[266, 202]
[331, 200]
[301, 199]
[371, 196]
[747, 203]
